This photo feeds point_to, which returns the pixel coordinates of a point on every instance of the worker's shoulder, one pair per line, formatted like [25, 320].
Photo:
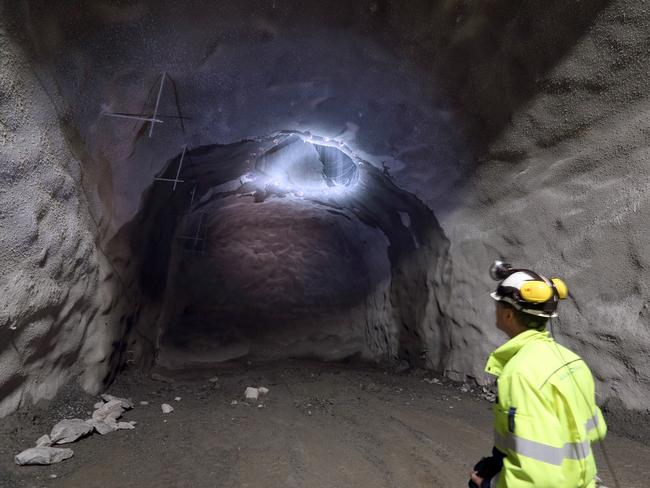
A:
[539, 360]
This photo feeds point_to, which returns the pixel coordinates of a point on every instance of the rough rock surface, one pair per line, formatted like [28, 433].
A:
[69, 430]
[101, 427]
[43, 456]
[109, 412]
[563, 189]
[522, 129]
[44, 441]
[60, 306]
[125, 403]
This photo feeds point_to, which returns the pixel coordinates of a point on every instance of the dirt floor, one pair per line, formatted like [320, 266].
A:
[322, 425]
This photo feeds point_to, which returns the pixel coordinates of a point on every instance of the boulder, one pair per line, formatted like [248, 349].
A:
[100, 426]
[110, 411]
[69, 430]
[44, 441]
[251, 393]
[42, 456]
[125, 403]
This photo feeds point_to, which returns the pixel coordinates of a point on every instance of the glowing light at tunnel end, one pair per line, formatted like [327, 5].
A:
[277, 184]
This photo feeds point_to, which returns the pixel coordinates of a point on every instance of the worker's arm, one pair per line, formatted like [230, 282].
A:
[596, 426]
[528, 432]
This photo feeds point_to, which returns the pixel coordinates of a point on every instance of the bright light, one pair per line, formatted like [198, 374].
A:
[306, 165]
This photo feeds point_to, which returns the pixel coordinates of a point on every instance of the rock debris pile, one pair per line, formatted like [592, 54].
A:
[104, 420]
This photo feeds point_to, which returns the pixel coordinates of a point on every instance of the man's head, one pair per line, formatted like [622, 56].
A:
[514, 322]
[525, 299]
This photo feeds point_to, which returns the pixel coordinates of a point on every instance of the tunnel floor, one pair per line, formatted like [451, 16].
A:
[321, 425]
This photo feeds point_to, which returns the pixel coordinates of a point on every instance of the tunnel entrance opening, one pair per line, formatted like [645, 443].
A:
[288, 246]
[283, 277]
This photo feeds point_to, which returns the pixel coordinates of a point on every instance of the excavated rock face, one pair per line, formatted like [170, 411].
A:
[63, 313]
[299, 250]
[350, 172]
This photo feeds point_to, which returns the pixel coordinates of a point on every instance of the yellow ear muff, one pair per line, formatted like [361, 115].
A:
[560, 286]
[536, 292]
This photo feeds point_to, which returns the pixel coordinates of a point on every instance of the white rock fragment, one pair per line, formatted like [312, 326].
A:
[144, 403]
[234, 402]
[251, 393]
[125, 426]
[109, 412]
[177, 399]
[101, 427]
[166, 408]
[126, 403]
[44, 441]
[214, 379]
[69, 431]
[98, 405]
[42, 456]
[433, 381]
[263, 390]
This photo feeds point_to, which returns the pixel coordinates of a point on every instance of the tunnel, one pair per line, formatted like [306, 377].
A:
[283, 246]
[190, 188]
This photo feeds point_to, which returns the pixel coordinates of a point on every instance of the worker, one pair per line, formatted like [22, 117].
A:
[545, 414]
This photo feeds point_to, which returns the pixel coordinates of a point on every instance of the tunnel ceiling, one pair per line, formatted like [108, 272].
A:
[334, 175]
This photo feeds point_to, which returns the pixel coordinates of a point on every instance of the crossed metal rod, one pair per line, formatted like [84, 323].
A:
[178, 172]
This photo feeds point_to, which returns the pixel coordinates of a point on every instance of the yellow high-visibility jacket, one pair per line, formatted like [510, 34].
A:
[545, 416]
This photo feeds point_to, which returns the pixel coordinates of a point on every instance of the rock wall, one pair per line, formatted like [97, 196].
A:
[62, 312]
[562, 188]
[521, 126]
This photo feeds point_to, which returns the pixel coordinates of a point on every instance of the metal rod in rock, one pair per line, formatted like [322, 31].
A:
[155, 110]
[195, 237]
[134, 117]
[170, 179]
[180, 165]
[198, 230]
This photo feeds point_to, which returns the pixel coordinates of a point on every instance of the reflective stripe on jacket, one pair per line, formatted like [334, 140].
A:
[545, 415]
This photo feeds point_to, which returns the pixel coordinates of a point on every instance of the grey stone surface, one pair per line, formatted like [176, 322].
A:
[109, 412]
[125, 403]
[43, 456]
[69, 430]
[44, 441]
[100, 426]
[60, 307]
[251, 394]
[526, 143]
